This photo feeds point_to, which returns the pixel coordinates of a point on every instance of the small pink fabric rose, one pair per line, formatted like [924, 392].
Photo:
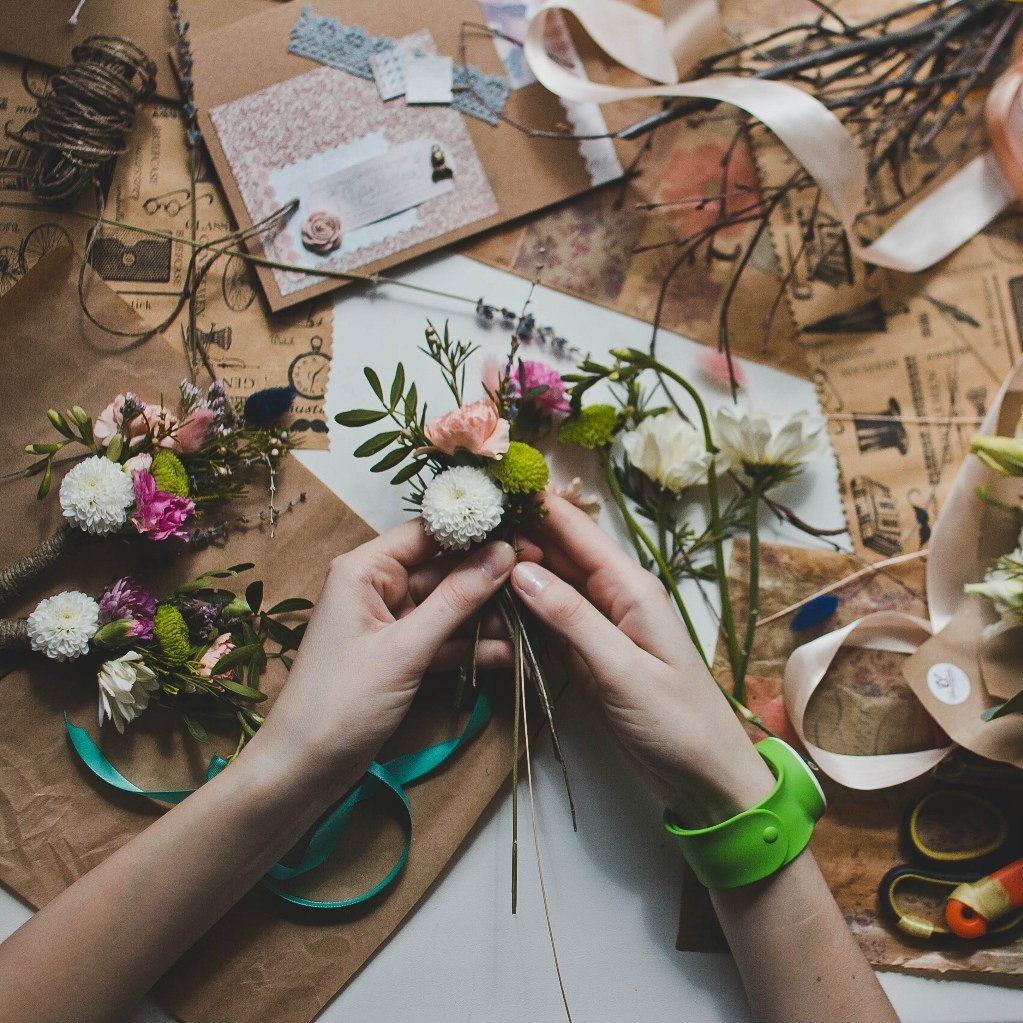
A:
[539, 374]
[158, 514]
[152, 419]
[476, 428]
[220, 647]
[321, 232]
[192, 433]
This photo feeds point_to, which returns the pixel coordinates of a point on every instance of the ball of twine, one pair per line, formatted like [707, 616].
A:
[84, 114]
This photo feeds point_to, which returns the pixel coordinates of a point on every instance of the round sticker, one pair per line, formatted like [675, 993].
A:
[948, 683]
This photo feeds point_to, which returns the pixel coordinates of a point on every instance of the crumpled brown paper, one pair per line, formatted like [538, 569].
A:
[56, 822]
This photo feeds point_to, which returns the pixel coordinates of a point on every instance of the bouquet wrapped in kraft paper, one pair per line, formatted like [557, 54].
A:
[58, 821]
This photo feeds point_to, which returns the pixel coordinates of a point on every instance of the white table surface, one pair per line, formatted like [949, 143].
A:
[613, 887]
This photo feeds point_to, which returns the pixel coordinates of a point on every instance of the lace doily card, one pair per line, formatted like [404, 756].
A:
[282, 140]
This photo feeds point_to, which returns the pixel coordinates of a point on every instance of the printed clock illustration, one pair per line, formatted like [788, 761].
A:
[308, 371]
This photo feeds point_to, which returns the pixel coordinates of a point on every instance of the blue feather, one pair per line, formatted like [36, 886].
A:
[265, 407]
[813, 612]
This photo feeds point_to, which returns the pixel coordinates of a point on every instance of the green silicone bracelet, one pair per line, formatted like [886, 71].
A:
[757, 842]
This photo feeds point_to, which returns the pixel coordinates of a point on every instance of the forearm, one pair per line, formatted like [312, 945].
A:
[797, 957]
[97, 948]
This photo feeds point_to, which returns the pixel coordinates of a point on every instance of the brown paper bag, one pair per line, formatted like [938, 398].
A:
[56, 822]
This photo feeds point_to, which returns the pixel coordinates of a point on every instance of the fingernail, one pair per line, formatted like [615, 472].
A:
[498, 559]
[531, 578]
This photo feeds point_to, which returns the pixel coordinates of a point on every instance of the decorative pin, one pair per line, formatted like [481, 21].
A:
[441, 171]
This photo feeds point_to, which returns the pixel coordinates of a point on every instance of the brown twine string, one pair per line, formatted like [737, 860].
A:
[15, 578]
[13, 635]
[84, 114]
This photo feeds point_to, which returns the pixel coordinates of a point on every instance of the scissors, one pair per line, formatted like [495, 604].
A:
[954, 835]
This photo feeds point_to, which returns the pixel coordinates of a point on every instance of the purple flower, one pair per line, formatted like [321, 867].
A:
[539, 374]
[158, 514]
[128, 600]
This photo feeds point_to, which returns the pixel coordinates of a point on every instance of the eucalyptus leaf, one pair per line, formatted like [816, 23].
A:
[374, 382]
[245, 692]
[412, 469]
[377, 443]
[397, 385]
[239, 655]
[254, 595]
[280, 633]
[359, 417]
[290, 604]
[198, 732]
[391, 459]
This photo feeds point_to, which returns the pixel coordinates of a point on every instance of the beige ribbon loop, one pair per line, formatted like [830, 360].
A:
[806, 668]
[811, 132]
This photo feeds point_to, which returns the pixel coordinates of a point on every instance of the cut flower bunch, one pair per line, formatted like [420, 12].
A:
[141, 471]
[199, 651]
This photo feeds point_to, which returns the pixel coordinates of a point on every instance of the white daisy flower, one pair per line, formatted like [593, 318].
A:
[96, 495]
[669, 451]
[764, 445]
[125, 685]
[61, 626]
[461, 506]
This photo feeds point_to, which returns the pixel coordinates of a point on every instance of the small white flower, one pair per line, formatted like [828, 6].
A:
[62, 625]
[669, 451]
[125, 685]
[461, 506]
[96, 495]
[143, 460]
[755, 440]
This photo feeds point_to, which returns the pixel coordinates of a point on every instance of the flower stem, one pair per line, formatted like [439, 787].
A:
[753, 612]
[619, 498]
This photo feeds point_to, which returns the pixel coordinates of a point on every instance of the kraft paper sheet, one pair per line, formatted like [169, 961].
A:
[863, 707]
[249, 348]
[260, 962]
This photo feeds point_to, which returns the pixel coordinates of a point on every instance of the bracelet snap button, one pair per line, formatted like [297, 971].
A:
[770, 835]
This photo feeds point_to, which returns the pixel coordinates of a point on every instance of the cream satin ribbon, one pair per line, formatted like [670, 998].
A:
[804, 672]
[812, 133]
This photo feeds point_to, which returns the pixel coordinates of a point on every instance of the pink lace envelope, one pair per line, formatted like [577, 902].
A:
[282, 139]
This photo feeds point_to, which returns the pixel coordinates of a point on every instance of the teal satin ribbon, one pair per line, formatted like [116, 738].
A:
[388, 779]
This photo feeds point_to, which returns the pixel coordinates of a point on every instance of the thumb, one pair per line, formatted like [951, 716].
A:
[457, 598]
[566, 612]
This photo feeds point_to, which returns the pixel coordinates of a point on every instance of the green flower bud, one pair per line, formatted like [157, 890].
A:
[171, 633]
[522, 470]
[1003, 454]
[593, 427]
[169, 473]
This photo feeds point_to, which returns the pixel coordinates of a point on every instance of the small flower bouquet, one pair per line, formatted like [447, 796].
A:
[199, 651]
[148, 473]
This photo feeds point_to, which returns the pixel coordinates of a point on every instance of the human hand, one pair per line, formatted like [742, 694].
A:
[389, 611]
[657, 694]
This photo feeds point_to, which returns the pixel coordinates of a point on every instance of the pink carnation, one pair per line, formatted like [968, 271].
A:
[476, 428]
[220, 647]
[153, 419]
[158, 514]
[539, 374]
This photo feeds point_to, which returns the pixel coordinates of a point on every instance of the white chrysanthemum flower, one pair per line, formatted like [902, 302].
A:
[62, 625]
[96, 494]
[669, 451]
[125, 685]
[757, 442]
[461, 506]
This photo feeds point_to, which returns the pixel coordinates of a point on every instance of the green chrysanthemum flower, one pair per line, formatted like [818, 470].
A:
[169, 474]
[522, 470]
[171, 634]
[593, 427]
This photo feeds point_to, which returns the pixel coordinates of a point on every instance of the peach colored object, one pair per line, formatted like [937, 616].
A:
[152, 418]
[476, 428]
[220, 647]
[1003, 112]
[321, 232]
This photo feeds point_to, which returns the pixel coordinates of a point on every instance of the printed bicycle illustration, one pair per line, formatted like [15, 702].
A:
[15, 262]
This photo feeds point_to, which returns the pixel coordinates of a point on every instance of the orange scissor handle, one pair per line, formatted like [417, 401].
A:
[972, 907]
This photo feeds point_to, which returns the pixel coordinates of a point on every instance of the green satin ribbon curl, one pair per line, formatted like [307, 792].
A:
[388, 779]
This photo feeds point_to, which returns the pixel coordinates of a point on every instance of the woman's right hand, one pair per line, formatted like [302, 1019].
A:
[657, 694]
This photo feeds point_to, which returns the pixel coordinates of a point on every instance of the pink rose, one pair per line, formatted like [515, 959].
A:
[476, 428]
[220, 647]
[539, 374]
[192, 433]
[152, 419]
[321, 232]
[158, 514]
